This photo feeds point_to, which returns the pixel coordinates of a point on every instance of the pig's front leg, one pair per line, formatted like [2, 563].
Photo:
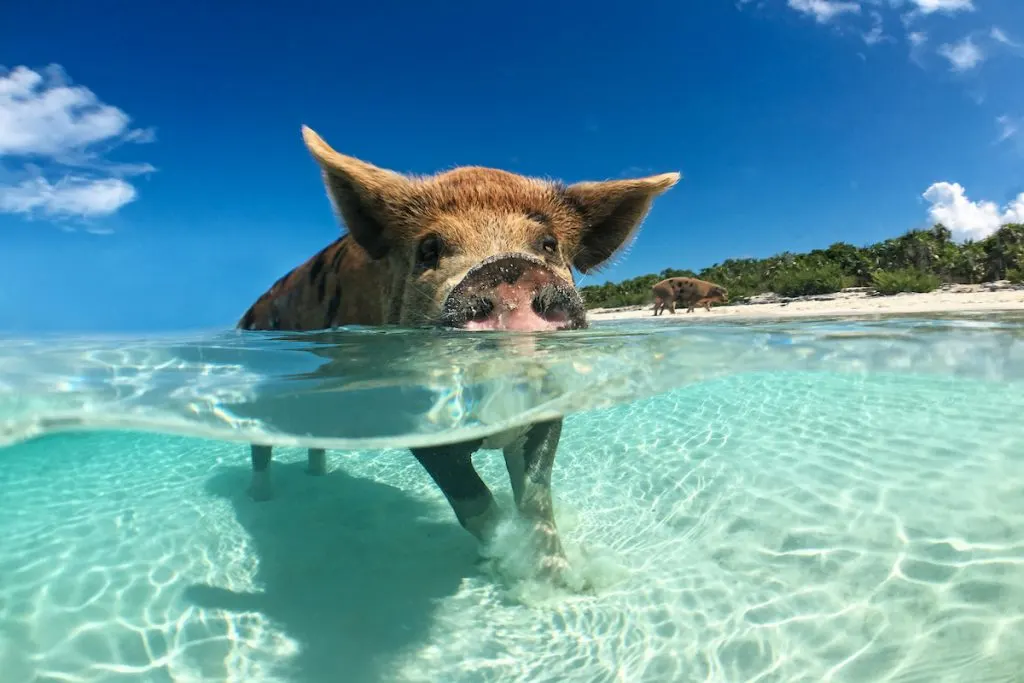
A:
[259, 487]
[529, 461]
[451, 468]
[316, 459]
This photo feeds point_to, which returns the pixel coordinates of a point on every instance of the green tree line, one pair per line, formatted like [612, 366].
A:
[918, 261]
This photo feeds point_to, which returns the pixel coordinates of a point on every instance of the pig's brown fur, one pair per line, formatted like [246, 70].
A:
[687, 291]
[310, 297]
[368, 276]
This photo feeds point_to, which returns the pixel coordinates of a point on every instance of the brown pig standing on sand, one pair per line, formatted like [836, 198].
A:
[688, 291]
[472, 248]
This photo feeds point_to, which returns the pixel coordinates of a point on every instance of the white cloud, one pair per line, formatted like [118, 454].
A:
[948, 6]
[44, 118]
[824, 10]
[1007, 128]
[70, 196]
[877, 33]
[874, 36]
[962, 56]
[999, 35]
[967, 219]
[917, 40]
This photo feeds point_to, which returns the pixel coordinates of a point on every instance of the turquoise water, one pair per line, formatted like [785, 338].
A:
[788, 501]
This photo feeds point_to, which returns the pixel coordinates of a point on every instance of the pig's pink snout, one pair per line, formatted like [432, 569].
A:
[514, 293]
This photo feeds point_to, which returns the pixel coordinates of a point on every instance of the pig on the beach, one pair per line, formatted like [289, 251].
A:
[687, 291]
[473, 248]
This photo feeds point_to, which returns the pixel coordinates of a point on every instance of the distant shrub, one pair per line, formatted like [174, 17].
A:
[915, 261]
[904, 280]
[738, 291]
[825, 278]
[616, 299]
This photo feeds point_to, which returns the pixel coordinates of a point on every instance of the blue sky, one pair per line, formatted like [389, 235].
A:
[153, 177]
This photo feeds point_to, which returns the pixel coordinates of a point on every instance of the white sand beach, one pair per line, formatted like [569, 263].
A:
[991, 296]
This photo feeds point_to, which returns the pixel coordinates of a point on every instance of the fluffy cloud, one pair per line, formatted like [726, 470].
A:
[70, 196]
[850, 17]
[968, 219]
[824, 10]
[962, 56]
[977, 46]
[68, 131]
[948, 6]
[999, 35]
[1008, 128]
[877, 32]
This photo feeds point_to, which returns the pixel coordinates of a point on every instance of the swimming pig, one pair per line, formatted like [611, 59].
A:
[472, 248]
[688, 291]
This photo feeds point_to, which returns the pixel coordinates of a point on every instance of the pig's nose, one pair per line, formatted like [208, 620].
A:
[517, 306]
[513, 293]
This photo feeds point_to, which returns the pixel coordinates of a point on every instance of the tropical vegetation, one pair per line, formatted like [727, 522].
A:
[918, 261]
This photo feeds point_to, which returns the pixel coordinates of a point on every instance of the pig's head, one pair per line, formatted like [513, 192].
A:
[718, 293]
[480, 248]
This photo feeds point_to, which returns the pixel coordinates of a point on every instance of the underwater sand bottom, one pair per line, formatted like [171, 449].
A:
[764, 527]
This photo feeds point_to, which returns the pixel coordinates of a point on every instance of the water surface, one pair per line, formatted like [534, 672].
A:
[774, 501]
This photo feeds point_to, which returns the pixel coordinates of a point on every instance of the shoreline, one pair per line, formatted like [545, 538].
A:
[988, 297]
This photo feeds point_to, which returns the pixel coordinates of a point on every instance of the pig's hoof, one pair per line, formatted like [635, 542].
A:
[576, 585]
[556, 570]
[259, 488]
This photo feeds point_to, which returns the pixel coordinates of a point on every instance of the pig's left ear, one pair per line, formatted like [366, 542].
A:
[364, 196]
[611, 213]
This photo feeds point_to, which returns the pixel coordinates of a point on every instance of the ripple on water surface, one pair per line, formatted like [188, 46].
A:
[784, 526]
[402, 388]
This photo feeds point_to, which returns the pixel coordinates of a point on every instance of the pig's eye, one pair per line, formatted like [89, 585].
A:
[429, 253]
[549, 244]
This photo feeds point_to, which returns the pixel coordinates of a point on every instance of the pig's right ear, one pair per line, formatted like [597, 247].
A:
[363, 195]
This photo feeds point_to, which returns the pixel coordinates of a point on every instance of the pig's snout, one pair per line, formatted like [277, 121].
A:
[513, 293]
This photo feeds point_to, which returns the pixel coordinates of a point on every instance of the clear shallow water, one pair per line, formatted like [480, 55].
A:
[367, 388]
[797, 501]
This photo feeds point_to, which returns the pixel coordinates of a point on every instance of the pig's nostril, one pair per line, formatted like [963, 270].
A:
[550, 305]
[479, 309]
